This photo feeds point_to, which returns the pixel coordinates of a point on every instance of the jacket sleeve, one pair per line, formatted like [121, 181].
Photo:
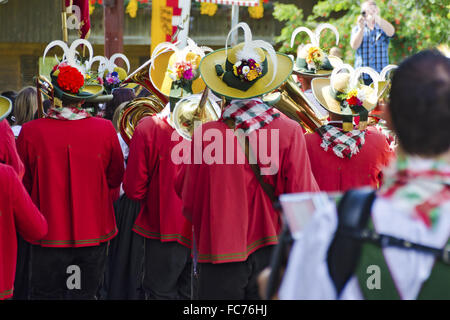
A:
[8, 151]
[297, 175]
[30, 223]
[142, 160]
[115, 168]
[24, 151]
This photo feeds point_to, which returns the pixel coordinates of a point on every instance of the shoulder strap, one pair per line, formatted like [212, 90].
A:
[344, 252]
[245, 143]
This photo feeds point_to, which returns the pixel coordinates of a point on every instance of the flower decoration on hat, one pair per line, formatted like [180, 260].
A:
[354, 97]
[248, 62]
[181, 70]
[108, 73]
[71, 75]
[311, 58]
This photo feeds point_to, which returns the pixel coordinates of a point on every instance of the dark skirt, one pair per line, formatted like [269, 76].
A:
[124, 270]
[22, 279]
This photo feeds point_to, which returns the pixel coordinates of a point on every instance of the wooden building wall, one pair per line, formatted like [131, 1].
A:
[27, 26]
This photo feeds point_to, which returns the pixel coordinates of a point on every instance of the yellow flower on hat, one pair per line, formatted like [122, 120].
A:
[209, 9]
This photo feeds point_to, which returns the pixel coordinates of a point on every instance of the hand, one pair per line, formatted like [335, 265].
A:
[361, 22]
[377, 19]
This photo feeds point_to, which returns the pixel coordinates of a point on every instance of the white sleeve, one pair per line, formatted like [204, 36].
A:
[306, 275]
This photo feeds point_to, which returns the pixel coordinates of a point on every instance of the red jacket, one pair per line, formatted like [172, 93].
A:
[17, 213]
[8, 152]
[71, 166]
[231, 214]
[340, 174]
[150, 177]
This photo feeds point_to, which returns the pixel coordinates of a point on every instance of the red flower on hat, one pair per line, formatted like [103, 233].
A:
[70, 79]
[354, 101]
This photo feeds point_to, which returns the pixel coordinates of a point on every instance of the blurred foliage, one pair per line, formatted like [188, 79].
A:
[418, 24]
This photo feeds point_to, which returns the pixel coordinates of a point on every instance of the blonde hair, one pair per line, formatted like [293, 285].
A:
[116, 116]
[25, 105]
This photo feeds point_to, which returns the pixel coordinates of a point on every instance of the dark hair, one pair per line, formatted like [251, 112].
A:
[120, 95]
[420, 103]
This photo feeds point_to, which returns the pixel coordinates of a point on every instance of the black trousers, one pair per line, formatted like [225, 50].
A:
[167, 272]
[234, 280]
[67, 273]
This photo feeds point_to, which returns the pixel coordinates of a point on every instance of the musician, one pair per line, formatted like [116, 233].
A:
[73, 161]
[18, 214]
[342, 161]
[8, 151]
[235, 224]
[150, 175]
[410, 213]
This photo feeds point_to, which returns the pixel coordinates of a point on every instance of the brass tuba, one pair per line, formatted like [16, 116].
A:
[295, 104]
[141, 76]
[191, 111]
[134, 111]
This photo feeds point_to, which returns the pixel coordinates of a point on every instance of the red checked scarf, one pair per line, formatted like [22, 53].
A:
[249, 115]
[68, 113]
[343, 144]
[421, 186]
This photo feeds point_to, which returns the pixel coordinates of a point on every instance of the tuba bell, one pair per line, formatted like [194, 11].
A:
[192, 111]
[297, 105]
[136, 110]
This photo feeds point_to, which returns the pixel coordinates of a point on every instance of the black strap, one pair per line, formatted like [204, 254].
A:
[344, 252]
[268, 188]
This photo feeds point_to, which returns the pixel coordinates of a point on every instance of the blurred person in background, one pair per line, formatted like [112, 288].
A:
[24, 109]
[370, 38]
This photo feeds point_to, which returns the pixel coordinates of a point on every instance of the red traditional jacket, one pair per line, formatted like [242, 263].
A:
[150, 177]
[17, 214]
[335, 174]
[231, 214]
[8, 151]
[71, 166]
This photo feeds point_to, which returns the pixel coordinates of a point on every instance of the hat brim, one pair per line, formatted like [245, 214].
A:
[261, 86]
[334, 61]
[5, 107]
[88, 92]
[321, 90]
[162, 82]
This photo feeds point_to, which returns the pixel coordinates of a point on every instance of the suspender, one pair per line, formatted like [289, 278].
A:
[361, 245]
[245, 143]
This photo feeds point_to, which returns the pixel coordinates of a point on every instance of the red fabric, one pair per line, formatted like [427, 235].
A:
[231, 214]
[149, 177]
[85, 18]
[17, 214]
[70, 169]
[8, 151]
[340, 174]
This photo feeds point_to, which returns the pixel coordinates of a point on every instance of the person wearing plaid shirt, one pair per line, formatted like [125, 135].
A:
[370, 38]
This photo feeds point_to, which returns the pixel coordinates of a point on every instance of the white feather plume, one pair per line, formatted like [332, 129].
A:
[322, 27]
[369, 71]
[386, 70]
[335, 71]
[311, 35]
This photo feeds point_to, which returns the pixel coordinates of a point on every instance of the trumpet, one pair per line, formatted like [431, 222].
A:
[45, 87]
[136, 110]
[295, 104]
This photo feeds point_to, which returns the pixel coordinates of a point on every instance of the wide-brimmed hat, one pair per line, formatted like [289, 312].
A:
[70, 76]
[312, 61]
[249, 69]
[5, 107]
[174, 70]
[344, 95]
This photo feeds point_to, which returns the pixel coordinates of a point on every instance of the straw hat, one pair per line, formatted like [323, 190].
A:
[69, 77]
[247, 70]
[344, 95]
[5, 107]
[174, 71]
[312, 61]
